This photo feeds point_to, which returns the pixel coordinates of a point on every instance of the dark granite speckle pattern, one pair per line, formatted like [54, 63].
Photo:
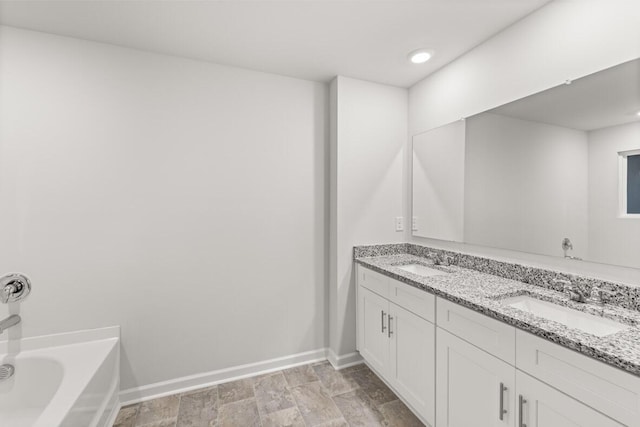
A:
[481, 284]
[380, 250]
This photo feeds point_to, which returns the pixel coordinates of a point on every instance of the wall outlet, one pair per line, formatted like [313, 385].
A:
[414, 223]
[399, 223]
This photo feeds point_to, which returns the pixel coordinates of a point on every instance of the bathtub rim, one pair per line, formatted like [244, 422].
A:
[7, 345]
[38, 345]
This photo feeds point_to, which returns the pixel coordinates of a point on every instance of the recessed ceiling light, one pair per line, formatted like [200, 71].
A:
[420, 56]
[638, 113]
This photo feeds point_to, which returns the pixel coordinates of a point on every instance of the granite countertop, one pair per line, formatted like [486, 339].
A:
[483, 292]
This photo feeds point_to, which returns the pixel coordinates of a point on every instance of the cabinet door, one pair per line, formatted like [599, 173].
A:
[412, 360]
[468, 385]
[544, 406]
[373, 314]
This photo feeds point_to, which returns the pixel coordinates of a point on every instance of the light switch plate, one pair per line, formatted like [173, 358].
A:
[414, 223]
[399, 223]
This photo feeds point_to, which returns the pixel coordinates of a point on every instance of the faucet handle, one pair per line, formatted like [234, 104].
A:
[447, 259]
[14, 287]
[606, 296]
[435, 257]
[7, 292]
[564, 282]
[596, 294]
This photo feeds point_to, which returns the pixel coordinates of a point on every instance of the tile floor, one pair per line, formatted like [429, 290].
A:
[309, 395]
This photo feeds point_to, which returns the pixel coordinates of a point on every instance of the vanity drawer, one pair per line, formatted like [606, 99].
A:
[413, 299]
[373, 281]
[488, 334]
[605, 388]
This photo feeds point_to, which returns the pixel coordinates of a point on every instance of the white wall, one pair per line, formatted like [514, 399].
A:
[182, 200]
[565, 39]
[367, 153]
[525, 185]
[438, 182]
[611, 237]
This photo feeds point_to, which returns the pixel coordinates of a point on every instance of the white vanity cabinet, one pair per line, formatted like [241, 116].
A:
[546, 384]
[373, 313]
[486, 373]
[598, 386]
[475, 382]
[397, 340]
[540, 405]
[412, 360]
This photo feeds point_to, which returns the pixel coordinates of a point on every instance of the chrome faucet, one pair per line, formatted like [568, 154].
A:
[10, 321]
[568, 246]
[435, 257]
[440, 259]
[574, 291]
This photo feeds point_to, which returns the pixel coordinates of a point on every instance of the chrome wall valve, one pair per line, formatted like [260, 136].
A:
[14, 287]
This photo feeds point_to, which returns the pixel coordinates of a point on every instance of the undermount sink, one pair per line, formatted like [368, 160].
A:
[595, 325]
[420, 270]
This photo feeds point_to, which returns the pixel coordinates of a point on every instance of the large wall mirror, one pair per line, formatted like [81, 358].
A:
[555, 173]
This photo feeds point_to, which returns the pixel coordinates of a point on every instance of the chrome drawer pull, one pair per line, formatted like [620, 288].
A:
[521, 403]
[382, 319]
[502, 410]
[390, 331]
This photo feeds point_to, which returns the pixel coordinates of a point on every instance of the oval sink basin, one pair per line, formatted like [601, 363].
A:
[420, 270]
[595, 325]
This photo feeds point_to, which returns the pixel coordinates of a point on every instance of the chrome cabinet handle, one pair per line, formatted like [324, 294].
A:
[390, 331]
[521, 403]
[502, 410]
[382, 320]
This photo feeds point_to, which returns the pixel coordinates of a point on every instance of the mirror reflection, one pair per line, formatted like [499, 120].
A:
[555, 173]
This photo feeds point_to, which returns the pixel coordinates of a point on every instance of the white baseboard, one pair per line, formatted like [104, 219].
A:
[345, 360]
[193, 382]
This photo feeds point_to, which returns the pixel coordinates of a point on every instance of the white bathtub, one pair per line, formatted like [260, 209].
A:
[69, 380]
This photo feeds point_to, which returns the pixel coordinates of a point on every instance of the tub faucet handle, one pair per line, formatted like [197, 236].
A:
[14, 287]
[7, 292]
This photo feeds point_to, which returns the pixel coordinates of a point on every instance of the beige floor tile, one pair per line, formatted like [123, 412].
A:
[235, 390]
[169, 422]
[336, 382]
[396, 414]
[300, 375]
[157, 411]
[311, 396]
[340, 422]
[373, 386]
[272, 393]
[354, 368]
[357, 409]
[127, 416]
[289, 417]
[241, 413]
[199, 408]
[315, 404]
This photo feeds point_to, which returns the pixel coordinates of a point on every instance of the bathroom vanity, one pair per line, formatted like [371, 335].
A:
[486, 343]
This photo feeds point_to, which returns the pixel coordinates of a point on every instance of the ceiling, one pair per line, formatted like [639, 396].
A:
[308, 39]
[607, 98]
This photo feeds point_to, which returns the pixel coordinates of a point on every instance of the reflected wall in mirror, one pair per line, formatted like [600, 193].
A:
[563, 163]
[438, 182]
